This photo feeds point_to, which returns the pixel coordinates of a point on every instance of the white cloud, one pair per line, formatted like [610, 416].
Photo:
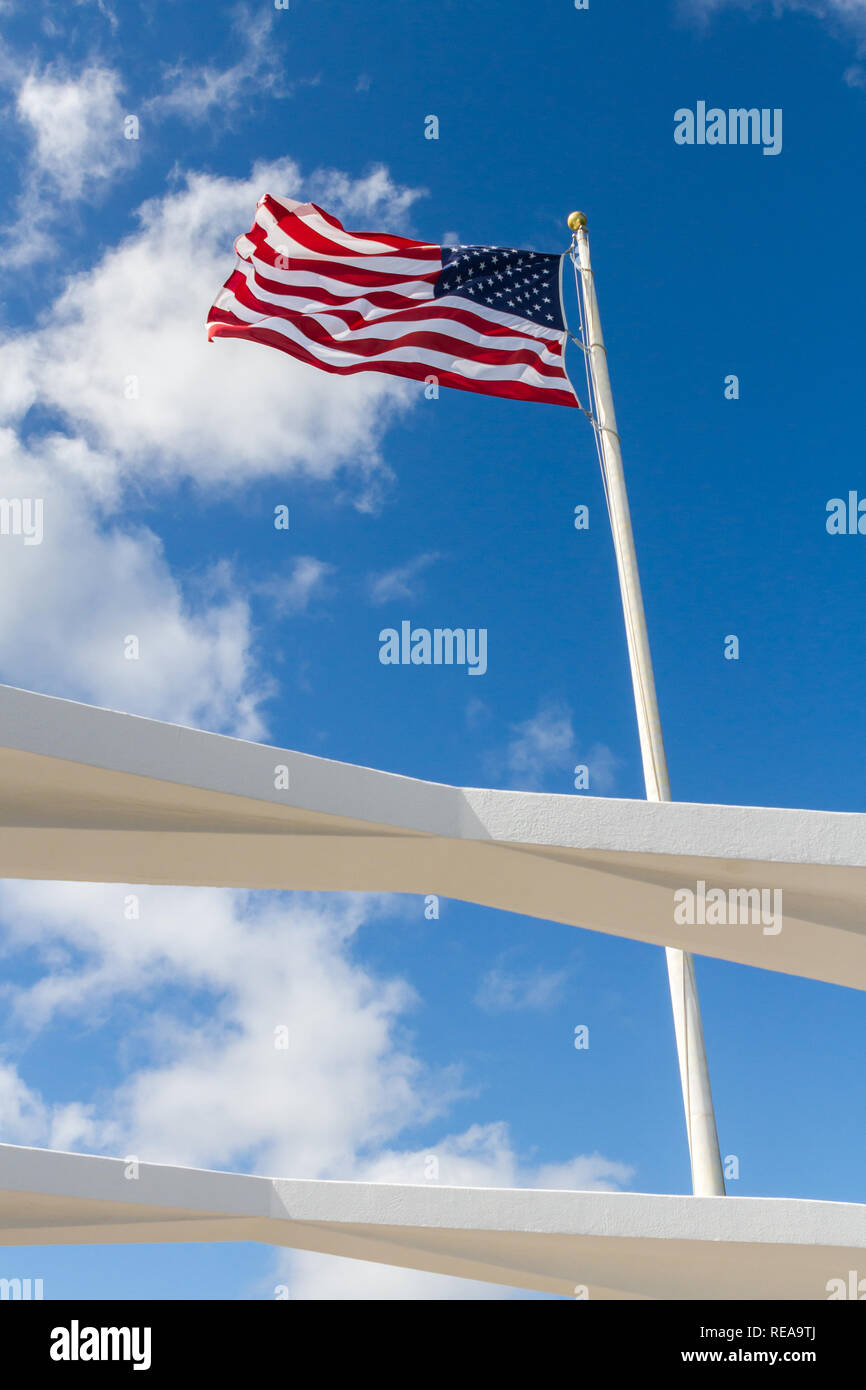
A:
[22, 1111]
[215, 1090]
[76, 129]
[375, 196]
[308, 581]
[478, 713]
[138, 401]
[504, 991]
[541, 745]
[123, 358]
[821, 7]
[603, 764]
[195, 91]
[210, 1086]
[845, 14]
[121, 363]
[398, 583]
[25, 1118]
[69, 604]
[104, 9]
[544, 748]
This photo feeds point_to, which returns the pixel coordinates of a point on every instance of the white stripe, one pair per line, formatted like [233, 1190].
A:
[374, 327]
[405, 266]
[421, 294]
[419, 290]
[359, 245]
[414, 289]
[337, 356]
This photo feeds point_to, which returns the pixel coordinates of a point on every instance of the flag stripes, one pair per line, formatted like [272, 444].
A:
[350, 302]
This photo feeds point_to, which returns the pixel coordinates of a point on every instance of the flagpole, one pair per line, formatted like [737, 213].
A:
[706, 1163]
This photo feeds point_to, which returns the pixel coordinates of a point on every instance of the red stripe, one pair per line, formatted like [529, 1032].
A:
[387, 290]
[457, 348]
[415, 371]
[446, 308]
[300, 231]
[266, 252]
[336, 270]
[380, 299]
[396, 243]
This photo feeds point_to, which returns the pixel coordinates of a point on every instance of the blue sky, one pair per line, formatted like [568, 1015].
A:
[161, 459]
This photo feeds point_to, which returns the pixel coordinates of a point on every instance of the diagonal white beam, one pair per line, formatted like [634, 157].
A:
[615, 1245]
[97, 796]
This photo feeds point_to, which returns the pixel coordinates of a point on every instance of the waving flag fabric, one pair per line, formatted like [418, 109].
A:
[480, 318]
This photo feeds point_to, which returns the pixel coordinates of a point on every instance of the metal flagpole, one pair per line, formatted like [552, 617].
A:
[707, 1177]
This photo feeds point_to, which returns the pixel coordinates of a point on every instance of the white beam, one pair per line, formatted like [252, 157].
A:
[91, 795]
[615, 1245]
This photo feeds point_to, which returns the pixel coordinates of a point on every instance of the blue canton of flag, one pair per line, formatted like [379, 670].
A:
[525, 283]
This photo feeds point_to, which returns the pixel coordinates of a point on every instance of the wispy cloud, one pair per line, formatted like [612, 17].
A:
[399, 582]
[503, 991]
[543, 751]
[843, 16]
[104, 9]
[294, 594]
[195, 91]
[541, 745]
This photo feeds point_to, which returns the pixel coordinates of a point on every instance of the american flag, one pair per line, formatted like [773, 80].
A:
[480, 318]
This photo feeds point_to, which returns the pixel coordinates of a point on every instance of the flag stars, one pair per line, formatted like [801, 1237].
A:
[511, 282]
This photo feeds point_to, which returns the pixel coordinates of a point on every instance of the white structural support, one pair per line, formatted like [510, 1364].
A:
[598, 1245]
[707, 1176]
[91, 795]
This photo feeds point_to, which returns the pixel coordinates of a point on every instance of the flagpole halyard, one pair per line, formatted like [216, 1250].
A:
[706, 1164]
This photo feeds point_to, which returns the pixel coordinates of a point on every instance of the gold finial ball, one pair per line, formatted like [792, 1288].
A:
[576, 220]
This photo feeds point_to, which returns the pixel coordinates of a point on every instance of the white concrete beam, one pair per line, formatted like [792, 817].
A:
[617, 1245]
[97, 796]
